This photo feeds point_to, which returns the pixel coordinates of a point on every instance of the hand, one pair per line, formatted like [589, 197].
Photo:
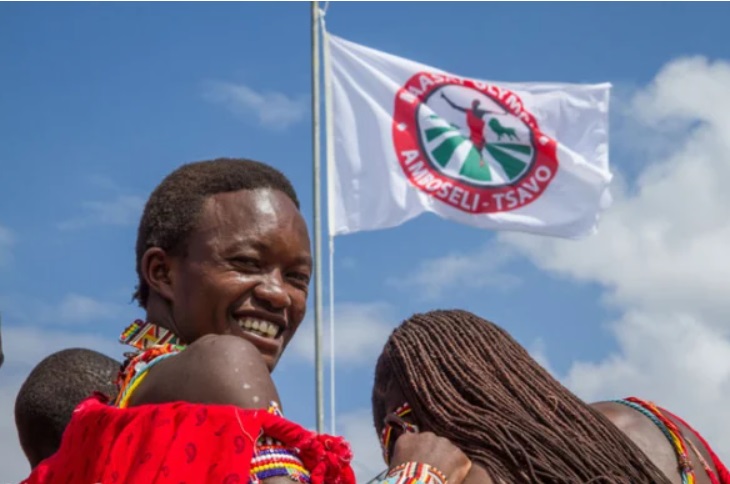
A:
[428, 448]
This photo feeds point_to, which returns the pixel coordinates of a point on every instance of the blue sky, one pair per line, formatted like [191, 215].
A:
[100, 101]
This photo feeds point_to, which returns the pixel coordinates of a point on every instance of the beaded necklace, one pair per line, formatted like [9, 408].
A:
[670, 431]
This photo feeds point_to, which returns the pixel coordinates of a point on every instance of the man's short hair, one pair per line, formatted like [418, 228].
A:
[172, 210]
[46, 401]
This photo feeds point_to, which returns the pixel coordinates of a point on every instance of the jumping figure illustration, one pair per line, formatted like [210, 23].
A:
[476, 124]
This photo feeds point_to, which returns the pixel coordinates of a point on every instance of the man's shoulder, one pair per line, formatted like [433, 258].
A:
[219, 369]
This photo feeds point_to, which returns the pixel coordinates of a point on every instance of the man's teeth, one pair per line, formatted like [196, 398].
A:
[259, 327]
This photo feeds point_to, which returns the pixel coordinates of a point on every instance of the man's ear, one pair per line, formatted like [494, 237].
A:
[156, 269]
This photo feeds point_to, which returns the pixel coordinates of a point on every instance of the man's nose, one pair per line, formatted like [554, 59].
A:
[272, 294]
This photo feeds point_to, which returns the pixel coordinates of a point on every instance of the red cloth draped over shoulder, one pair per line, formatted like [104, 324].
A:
[181, 443]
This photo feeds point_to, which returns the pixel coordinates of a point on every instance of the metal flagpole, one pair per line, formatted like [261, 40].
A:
[330, 158]
[318, 368]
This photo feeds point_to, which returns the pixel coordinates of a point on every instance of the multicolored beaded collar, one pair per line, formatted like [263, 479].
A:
[153, 344]
[143, 335]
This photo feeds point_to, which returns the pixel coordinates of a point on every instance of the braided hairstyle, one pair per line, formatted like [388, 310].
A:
[467, 380]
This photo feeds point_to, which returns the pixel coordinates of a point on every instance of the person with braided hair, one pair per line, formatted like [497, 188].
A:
[467, 380]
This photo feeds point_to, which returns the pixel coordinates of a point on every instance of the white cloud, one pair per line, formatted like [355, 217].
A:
[71, 309]
[662, 256]
[78, 309]
[124, 210]
[360, 334]
[475, 270]
[272, 109]
[357, 428]
[24, 347]
[7, 240]
[697, 355]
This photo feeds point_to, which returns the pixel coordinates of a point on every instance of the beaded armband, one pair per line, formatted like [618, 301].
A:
[272, 459]
[277, 461]
[415, 473]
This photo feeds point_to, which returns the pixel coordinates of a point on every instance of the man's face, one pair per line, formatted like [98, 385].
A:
[245, 272]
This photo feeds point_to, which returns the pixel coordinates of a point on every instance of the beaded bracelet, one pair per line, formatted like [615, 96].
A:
[277, 461]
[415, 472]
[272, 459]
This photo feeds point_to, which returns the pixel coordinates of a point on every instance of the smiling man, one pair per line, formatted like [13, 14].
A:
[224, 264]
[245, 271]
[222, 249]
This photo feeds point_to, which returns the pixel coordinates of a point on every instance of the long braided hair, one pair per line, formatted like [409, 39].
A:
[467, 380]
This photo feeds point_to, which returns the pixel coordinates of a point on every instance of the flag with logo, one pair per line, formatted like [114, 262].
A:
[409, 138]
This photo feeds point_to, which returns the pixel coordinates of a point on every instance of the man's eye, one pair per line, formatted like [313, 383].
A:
[300, 277]
[246, 262]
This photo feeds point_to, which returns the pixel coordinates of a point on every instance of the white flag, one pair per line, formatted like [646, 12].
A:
[410, 138]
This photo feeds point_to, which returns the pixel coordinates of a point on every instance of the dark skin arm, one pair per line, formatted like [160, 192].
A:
[428, 448]
[479, 112]
[216, 369]
[477, 475]
[483, 112]
[458, 108]
[439, 452]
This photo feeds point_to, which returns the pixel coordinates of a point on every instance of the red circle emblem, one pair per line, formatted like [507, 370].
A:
[471, 144]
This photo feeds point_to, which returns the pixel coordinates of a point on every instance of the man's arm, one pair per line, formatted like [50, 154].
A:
[482, 112]
[458, 108]
[428, 458]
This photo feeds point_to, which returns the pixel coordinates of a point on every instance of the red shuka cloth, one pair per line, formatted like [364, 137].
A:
[181, 443]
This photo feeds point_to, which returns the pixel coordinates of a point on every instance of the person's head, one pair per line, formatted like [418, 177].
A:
[475, 104]
[53, 389]
[467, 380]
[222, 248]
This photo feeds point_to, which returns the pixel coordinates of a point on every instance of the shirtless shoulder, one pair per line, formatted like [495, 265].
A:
[650, 439]
[217, 369]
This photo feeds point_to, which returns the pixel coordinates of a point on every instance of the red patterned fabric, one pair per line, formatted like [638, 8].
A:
[181, 443]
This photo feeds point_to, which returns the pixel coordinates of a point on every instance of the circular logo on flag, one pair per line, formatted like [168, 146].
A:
[471, 144]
